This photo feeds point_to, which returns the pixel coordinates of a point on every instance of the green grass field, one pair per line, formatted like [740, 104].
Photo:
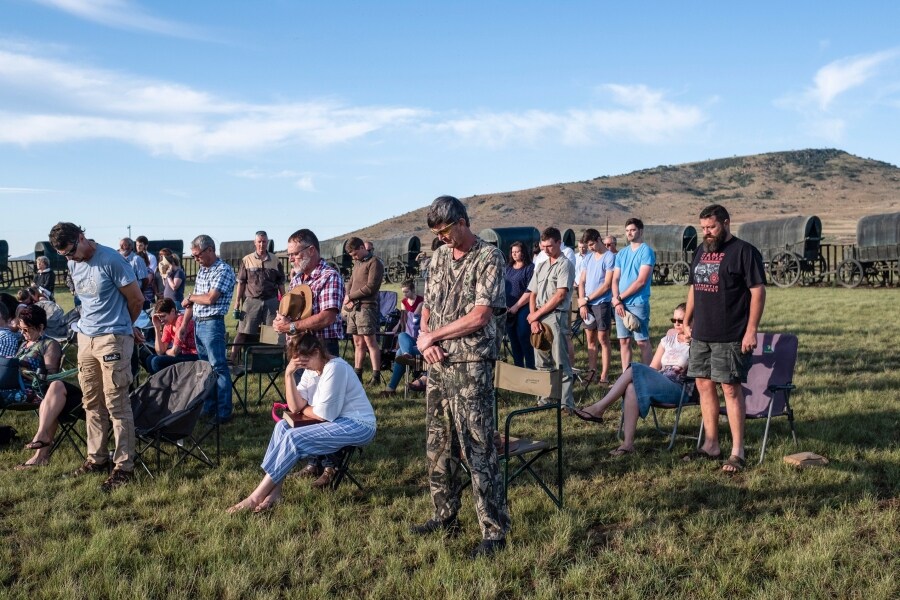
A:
[640, 526]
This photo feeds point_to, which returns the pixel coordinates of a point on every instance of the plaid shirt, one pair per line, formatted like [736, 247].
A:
[9, 342]
[327, 287]
[220, 277]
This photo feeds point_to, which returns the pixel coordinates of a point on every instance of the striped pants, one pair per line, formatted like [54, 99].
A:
[290, 444]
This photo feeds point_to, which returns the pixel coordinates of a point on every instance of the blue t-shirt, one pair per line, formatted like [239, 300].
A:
[629, 263]
[517, 283]
[97, 282]
[595, 270]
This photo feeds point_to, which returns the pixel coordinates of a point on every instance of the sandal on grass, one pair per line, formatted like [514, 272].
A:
[734, 464]
[586, 416]
[621, 451]
[28, 466]
[37, 445]
[700, 455]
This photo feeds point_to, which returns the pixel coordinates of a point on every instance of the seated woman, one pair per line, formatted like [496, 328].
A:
[639, 384]
[42, 354]
[408, 326]
[170, 348]
[329, 393]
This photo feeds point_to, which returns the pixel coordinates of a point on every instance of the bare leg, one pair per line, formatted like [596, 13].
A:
[646, 351]
[630, 418]
[262, 491]
[592, 347]
[625, 349]
[709, 408]
[359, 351]
[737, 410]
[270, 501]
[374, 352]
[51, 407]
[605, 352]
[239, 339]
[617, 391]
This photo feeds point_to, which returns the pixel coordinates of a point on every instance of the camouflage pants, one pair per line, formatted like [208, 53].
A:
[460, 425]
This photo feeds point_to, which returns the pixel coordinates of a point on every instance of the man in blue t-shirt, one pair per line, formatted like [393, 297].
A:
[631, 291]
[725, 303]
[110, 302]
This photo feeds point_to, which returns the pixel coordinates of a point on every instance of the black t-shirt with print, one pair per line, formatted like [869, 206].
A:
[722, 282]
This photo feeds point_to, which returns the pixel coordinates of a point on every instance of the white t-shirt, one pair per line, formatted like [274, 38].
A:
[566, 251]
[337, 392]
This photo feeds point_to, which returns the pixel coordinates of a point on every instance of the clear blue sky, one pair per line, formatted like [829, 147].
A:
[224, 117]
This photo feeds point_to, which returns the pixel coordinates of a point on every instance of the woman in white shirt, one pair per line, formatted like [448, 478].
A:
[639, 385]
[330, 394]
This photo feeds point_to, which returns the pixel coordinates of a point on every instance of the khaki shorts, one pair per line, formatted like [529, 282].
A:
[257, 312]
[722, 362]
[364, 321]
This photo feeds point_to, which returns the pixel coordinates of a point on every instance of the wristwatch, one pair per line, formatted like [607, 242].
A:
[293, 328]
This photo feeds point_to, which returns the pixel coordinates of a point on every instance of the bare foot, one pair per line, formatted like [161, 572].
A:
[32, 464]
[245, 504]
[271, 501]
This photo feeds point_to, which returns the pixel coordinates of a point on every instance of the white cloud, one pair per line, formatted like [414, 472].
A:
[20, 190]
[644, 115]
[841, 75]
[121, 14]
[52, 101]
[305, 184]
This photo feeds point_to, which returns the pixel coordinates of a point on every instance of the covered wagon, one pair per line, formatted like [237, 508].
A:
[791, 248]
[674, 246]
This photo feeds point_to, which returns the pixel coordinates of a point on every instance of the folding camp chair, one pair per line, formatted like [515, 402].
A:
[263, 359]
[767, 392]
[166, 410]
[524, 452]
[343, 467]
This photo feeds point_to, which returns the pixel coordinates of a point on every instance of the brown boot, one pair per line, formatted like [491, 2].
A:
[309, 472]
[325, 479]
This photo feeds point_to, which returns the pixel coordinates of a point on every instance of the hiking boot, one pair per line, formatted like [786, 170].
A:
[487, 548]
[376, 378]
[450, 526]
[325, 479]
[309, 472]
[90, 467]
[117, 479]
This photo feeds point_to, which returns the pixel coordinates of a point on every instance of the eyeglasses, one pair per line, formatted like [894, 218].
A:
[677, 321]
[197, 254]
[608, 245]
[300, 250]
[443, 230]
[71, 252]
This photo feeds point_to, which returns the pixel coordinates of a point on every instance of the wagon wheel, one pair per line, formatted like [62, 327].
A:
[396, 271]
[813, 271]
[878, 273]
[850, 273]
[660, 273]
[785, 269]
[681, 271]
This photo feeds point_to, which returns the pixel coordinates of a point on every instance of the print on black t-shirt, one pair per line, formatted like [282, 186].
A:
[706, 273]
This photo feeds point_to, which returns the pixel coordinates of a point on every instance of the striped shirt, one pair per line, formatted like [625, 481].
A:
[327, 287]
[220, 276]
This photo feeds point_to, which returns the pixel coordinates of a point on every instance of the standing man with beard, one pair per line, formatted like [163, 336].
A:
[725, 303]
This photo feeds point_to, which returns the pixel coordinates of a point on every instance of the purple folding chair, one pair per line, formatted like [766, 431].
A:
[767, 392]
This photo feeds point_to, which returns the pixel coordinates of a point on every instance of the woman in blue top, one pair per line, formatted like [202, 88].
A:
[330, 394]
[518, 273]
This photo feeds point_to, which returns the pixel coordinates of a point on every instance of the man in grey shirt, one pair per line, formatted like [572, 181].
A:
[110, 302]
[551, 297]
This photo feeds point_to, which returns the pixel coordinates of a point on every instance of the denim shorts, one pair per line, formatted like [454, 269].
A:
[722, 362]
[642, 312]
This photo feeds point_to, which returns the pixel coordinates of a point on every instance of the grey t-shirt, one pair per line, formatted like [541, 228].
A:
[97, 282]
[548, 278]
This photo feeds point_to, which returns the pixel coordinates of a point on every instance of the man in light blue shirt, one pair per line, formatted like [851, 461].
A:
[631, 291]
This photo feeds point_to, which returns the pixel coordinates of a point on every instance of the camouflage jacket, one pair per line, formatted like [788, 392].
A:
[456, 287]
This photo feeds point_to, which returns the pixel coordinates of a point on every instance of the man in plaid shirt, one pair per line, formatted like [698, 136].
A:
[327, 287]
[208, 305]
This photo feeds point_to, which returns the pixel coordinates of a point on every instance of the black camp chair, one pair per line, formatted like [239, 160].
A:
[166, 410]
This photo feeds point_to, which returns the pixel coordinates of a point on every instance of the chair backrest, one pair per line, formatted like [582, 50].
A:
[10, 375]
[772, 364]
[268, 335]
[527, 381]
[261, 359]
[387, 301]
[173, 398]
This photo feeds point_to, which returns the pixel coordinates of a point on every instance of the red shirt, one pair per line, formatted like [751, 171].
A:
[168, 336]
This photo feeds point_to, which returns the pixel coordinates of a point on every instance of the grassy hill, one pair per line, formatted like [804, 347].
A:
[832, 184]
